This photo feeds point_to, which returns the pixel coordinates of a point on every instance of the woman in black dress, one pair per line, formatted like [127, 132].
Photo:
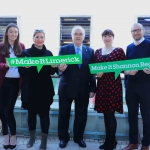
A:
[37, 89]
[109, 91]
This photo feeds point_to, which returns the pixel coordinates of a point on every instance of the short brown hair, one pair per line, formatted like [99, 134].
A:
[108, 32]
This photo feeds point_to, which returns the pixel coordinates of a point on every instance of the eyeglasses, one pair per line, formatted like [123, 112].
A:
[80, 34]
[38, 31]
[137, 30]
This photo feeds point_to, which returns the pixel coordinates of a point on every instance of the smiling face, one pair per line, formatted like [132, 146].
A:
[108, 39]
[137, 32]
[78, 37]
[39, 39]
[12, 34]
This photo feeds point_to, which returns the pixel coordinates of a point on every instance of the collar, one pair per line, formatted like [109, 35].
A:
[140, 41]
[78, 47]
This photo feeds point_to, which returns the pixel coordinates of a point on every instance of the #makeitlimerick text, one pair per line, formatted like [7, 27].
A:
[48, 60]
[51, 60]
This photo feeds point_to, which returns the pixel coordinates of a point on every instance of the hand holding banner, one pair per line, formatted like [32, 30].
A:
[118, 66]
[40, 61]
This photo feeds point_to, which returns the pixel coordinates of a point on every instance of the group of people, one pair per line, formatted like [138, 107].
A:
[76, 83]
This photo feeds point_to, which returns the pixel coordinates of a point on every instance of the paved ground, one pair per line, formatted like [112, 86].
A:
[53, 144]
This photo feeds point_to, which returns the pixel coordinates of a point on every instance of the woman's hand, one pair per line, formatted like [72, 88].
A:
[54, 66]
[99, 75]
[62, 67]
[7, 65]
[27, 66]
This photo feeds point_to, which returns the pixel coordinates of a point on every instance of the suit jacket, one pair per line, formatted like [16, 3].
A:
[3, 70]
[76, 80]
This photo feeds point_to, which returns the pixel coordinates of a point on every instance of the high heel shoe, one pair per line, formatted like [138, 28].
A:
[7, 146]
[107, 144]
[13, 146]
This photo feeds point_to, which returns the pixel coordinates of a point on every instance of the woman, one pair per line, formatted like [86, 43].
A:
[9, 83]
[109, 91]
[37, 89]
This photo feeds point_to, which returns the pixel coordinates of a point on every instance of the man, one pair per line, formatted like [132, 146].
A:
[138, 89]
[76, 83]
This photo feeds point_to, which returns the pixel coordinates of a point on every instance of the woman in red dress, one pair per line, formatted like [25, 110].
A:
[109, 91]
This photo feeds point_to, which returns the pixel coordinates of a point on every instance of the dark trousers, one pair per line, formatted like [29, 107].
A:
[138, 95]
[110, 127]
[81, 105]
[9, 91]
[44, 121]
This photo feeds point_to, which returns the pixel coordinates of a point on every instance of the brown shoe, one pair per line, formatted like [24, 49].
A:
[144, 148]
[131, 147]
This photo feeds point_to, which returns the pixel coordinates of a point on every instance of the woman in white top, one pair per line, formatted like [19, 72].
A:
[9, 83]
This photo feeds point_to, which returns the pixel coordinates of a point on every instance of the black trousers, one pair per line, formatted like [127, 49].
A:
[9, 93]
[44, 121]
[81, 105]
[138, 95]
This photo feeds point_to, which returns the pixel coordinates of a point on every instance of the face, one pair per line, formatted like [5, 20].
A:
[137, 32]
[78, 37]
[108, 39]
[39, 39]
[12, 34]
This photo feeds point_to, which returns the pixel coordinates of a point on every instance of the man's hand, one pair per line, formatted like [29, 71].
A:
[62, 67]
[91, 94]
[131, 72]
[146, 70]
[99, 75]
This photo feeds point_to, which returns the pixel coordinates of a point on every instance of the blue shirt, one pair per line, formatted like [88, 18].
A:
[80, 52]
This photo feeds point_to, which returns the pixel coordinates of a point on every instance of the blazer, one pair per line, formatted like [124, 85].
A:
[74, 79]
[3, 70]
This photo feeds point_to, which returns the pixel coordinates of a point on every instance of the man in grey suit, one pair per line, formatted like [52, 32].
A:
[76, 83]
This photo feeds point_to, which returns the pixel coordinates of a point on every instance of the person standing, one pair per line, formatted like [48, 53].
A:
[109, 97]
[37, 89]
[76, 83]
[9, 83]
[137, 89]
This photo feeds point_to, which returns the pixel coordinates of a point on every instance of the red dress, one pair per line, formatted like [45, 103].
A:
[109, 91]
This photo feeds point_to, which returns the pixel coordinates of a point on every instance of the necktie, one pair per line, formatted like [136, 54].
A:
[79, 52]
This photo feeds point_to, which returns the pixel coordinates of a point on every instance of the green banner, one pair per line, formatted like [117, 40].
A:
[118, 66]
[40, 61]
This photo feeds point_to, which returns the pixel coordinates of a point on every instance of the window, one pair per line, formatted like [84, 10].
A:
[67, 23]
[4, 21]
[145, 21]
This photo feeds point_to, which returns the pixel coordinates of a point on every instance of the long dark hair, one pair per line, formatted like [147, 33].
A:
[5, 43]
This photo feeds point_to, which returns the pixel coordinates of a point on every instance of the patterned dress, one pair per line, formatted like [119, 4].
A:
[109, 91]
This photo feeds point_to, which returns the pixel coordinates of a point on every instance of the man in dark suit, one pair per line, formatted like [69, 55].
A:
[76, 83]
[138, 89]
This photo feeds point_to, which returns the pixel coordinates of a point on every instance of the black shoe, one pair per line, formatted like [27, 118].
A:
[109, 147]
[12, 146]
[6, 146]
[106, 144]
[63, 144]
[80, 142]
[103, 146]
